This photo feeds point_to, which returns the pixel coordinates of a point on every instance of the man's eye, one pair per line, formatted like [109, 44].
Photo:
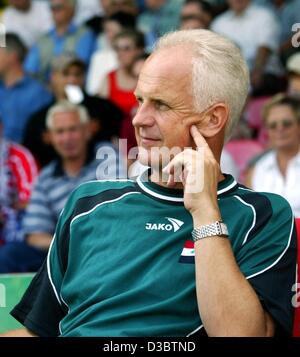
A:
[162, 106]
[139, 100]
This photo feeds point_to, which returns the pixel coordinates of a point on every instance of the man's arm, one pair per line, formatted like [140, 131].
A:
[40, 240]
[228, 304]
[19, 333]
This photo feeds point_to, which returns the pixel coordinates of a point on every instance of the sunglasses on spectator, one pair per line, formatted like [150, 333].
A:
[285, 123]
[57, 7]
[124, 48]
[189, 17]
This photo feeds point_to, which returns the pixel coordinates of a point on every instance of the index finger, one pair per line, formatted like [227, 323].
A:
[198, 137]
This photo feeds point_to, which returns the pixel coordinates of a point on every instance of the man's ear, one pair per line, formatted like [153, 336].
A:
[214, 120]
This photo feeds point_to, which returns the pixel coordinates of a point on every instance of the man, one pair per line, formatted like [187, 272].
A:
[64, 37]
[293, 68]
[157, 262]
[27, 19]
[160, 17]
[69, 133]
[20, 95]
[255, 30]
[18, 171]
[196, 14]
[68, 70]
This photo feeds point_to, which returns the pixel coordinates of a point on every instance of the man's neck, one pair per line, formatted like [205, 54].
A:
[62, 29]
[161, 180]
[72, 167]
[13, 76]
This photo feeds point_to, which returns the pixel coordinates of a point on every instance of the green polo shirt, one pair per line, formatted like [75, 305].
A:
[122, 262]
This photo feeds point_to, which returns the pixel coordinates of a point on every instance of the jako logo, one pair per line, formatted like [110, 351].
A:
[175, 225]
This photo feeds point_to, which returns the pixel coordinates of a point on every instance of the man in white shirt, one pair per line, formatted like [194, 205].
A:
[255, 30]
[28, 19]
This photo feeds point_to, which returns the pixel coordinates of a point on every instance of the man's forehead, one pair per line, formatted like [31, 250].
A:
[164, 70]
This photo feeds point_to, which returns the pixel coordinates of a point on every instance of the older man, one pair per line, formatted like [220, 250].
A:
[69, 130]
[171, 254]
[64, 37]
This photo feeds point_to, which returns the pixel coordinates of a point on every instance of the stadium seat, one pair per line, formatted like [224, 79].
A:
[242, 151]
[12, 287]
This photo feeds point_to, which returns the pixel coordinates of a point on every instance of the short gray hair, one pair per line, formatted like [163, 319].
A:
[65, 106]
[220, 73]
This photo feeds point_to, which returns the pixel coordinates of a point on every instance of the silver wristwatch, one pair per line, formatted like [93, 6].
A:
[217, 228]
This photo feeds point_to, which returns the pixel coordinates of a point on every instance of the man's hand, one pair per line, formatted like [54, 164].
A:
[200, 173]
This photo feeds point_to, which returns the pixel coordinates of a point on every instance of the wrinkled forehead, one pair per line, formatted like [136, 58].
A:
[169, 67]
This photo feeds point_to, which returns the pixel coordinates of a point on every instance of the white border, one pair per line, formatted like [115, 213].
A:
[254, 217]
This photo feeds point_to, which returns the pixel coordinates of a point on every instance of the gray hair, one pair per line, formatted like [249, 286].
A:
[219, 72]
[66, 107]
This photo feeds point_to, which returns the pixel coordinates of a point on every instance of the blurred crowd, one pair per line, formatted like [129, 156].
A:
[67, 77]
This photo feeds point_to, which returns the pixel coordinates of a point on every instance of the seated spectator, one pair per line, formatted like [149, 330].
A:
[196, 14]
[68, 75]
[278, 170]
[64, 37]
[20, 95]
[255, 30]
[120, 84]
[86, 10]
[110, 8]
[69, 134]
[160, 17]
[18, 170]
[28, 19]
[104, 60]
[293, 67]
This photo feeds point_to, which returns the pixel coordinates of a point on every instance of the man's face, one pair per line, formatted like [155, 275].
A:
[68, 136]
[165, 112]
[73, 74]
[62, 11]
[238, 5]
[193, 17]
[5, 60]
[154, 4]
[21, 5]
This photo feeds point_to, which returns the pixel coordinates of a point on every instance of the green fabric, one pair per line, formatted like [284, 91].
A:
[12, 288]
[110, 285]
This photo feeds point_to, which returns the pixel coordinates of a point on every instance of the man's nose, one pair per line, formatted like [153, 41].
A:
[143, 117]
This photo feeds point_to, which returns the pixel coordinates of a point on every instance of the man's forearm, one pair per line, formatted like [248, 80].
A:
[18, 333]
[227, 303]
[39, 240]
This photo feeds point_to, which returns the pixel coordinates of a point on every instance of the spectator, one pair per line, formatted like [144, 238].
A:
[86, 10]
[68, 75]
[104, 60]
[69, 133]
[20, 95]
[64, 37]
[120, 84]
[293, 67]
[196, 14]
[255, 30]
[28, 19]
[18, 170]
[160, 17]
[278, 170]
[110, 8]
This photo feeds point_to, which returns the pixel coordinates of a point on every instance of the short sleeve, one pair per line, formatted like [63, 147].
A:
[268, 260]
[42, 308]
[38, 216]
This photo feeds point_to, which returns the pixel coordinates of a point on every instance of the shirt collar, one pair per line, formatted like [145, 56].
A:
[176, 195]
[71, 29]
